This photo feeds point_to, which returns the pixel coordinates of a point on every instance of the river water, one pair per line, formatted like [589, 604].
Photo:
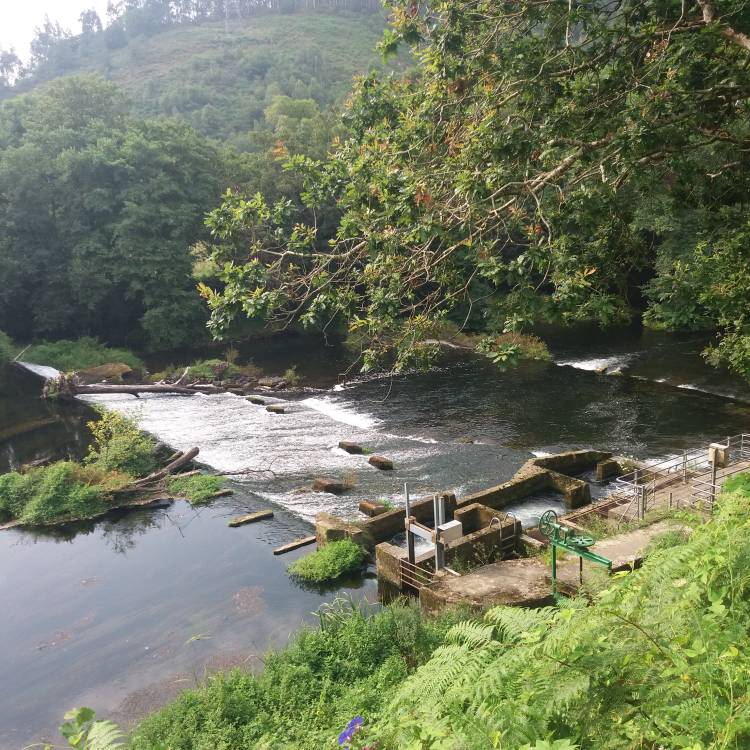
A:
[123, 613]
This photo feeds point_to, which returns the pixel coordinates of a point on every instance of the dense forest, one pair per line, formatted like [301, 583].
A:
[105, 184]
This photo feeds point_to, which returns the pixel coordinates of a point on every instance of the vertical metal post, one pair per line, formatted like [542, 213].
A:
[684, 465]
[409, 536]
[439, 552]
[580, 570]
[554, 568]
[713, 482]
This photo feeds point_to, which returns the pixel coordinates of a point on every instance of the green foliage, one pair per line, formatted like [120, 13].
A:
[50, 493]
[80, 354]
[120, 446]
[739, 483]
[307, 693]
[83, 731]
[613, 183]
[6, 348]
[198, 489]
[330, 562]
[118, 202]
[213, 369]
[658, 659]
[292, 377]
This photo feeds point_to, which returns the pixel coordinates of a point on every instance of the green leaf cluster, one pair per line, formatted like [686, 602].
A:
[118, 445]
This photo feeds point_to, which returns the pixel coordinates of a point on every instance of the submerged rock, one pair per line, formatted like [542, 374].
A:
[381, 462]
[113, 372]
[334, 486]
[257, 400]
[352, 448]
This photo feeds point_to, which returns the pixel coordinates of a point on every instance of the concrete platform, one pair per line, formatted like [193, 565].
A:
[520, 583]
[527, 582]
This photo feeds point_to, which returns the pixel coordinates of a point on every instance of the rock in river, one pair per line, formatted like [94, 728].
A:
[381, 462]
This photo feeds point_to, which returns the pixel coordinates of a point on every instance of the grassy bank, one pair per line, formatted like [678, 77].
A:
[307, 693]
[80, 354]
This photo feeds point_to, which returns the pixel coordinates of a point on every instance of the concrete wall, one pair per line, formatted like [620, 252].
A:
[385, 526]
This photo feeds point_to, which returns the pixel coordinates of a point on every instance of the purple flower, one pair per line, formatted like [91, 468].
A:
[346, 736]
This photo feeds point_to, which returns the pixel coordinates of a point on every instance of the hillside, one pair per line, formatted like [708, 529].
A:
[220, 81]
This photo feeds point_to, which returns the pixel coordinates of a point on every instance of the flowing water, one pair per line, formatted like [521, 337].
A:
[122, 613]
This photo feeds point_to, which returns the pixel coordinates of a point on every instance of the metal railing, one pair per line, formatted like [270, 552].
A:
[691, 475]
[415, 576]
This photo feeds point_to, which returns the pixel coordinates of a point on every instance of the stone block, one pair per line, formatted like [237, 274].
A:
[329, 528]
[607, 468]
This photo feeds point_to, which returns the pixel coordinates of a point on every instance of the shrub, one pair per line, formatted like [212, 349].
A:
[80, 354]
[292, 377]
[50, 493]
[510, 348]
[212, 369]
[329, 562]
[306, 693]
[199, 489]
[120, 446]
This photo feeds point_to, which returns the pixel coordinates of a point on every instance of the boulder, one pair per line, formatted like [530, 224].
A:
[272, 382]
[352, 448]
[372, 509]
[257, 400]
[275, 409]
[114, 372]
[334, 486]
[381, 462]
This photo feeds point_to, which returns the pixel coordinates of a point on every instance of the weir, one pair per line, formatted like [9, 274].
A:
[484, 532]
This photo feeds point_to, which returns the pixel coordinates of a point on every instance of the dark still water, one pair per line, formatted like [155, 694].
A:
[110, 617]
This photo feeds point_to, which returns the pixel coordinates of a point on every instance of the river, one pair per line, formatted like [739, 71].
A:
[123, 613]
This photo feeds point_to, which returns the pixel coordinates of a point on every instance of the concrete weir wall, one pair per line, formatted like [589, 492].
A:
[484, 523]
[545, 473]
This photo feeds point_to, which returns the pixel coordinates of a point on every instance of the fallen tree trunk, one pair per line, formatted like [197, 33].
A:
[135, 390]
[67, 387]
[170, 468]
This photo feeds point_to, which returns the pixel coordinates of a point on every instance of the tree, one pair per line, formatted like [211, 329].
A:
[99, 211]
[549, 161]
[11, 68]
[90, 22]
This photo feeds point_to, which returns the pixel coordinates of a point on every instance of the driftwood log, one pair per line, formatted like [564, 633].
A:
[67, 387]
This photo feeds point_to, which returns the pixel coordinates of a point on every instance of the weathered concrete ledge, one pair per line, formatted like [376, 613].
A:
[545, 473]
[520, 583]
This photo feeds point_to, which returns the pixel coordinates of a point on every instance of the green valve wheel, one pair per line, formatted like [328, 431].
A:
[581, 541]
[548, 524]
